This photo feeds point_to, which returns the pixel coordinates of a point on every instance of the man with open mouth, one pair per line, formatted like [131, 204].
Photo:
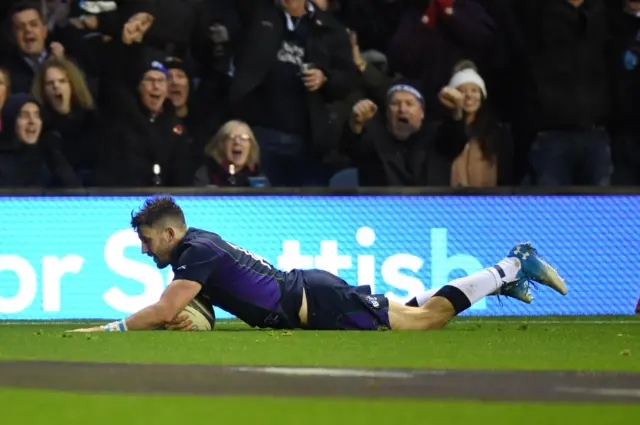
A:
[33, 43]
[145, 142]
[400, 148]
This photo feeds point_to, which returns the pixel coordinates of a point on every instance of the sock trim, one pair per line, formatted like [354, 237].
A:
[413, 302]
[455, 296]
[500, 271]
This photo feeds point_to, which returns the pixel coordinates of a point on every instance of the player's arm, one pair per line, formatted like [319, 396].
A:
[197, 263]
[173, 300]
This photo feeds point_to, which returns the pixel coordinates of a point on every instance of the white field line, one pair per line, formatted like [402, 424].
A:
[610, 392]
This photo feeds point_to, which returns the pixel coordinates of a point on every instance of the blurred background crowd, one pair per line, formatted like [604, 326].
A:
[293, 93]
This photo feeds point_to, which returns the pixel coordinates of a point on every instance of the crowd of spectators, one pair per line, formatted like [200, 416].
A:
[294, 93]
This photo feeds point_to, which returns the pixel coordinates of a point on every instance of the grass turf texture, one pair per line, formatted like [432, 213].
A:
[48, 407]
[468, 343]
[492, 343]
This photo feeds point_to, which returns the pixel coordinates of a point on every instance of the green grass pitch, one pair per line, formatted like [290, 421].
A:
[556, 343]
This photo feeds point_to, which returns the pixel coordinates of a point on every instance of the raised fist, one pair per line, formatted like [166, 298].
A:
[362, 112]
[451, 98]
[136, 27]
[57, 50]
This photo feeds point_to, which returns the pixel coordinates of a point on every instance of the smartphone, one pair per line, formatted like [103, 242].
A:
[259, 181]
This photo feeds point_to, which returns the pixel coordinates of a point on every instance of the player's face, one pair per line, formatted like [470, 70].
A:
[156, 244]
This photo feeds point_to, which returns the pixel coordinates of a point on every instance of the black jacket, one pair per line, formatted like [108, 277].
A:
[133, 142]
[568, 86]
[41, 165]
[625, 67]
[214, 63]
[328, 48]
[78, 133]
[422, 160]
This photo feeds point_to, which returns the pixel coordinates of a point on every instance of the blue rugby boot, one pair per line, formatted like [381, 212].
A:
[518, 289]
[533, 267]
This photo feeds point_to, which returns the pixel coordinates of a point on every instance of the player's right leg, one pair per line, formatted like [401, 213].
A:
[522, 263]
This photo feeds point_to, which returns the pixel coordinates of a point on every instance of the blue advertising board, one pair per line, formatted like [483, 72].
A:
[67, 258]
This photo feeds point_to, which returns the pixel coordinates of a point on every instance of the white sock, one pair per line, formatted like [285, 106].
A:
[488, 281]
[511, 267]
[478, 285]
[425, 296]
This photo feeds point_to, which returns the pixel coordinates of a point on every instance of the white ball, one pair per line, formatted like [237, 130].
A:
[201, 315]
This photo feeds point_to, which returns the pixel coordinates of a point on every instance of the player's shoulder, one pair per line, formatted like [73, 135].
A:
[197, 245]
[200, 235]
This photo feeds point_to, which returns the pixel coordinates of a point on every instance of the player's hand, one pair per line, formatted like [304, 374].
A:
[180, 323]
[362, 112]
[94, 329]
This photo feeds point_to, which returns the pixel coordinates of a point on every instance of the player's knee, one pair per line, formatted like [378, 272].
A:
[439, 306]
[411, 318]
[426, 321]
[437, 314]
[435, 321]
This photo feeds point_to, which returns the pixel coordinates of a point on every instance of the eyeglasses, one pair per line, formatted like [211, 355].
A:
[244, 138]
[151, 80]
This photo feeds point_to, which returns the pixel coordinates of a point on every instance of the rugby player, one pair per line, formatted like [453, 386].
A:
[256, 292]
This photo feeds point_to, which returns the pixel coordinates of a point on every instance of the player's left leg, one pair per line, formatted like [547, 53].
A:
[522, 263]
[519, 290]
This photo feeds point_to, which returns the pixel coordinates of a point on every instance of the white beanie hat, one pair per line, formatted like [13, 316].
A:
[466, 76]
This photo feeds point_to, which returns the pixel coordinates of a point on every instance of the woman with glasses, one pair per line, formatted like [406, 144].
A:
[232, 158]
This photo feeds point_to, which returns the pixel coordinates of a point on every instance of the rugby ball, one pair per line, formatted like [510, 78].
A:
[201, 314]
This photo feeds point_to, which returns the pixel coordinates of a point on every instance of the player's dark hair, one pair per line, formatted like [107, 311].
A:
[156, 209]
